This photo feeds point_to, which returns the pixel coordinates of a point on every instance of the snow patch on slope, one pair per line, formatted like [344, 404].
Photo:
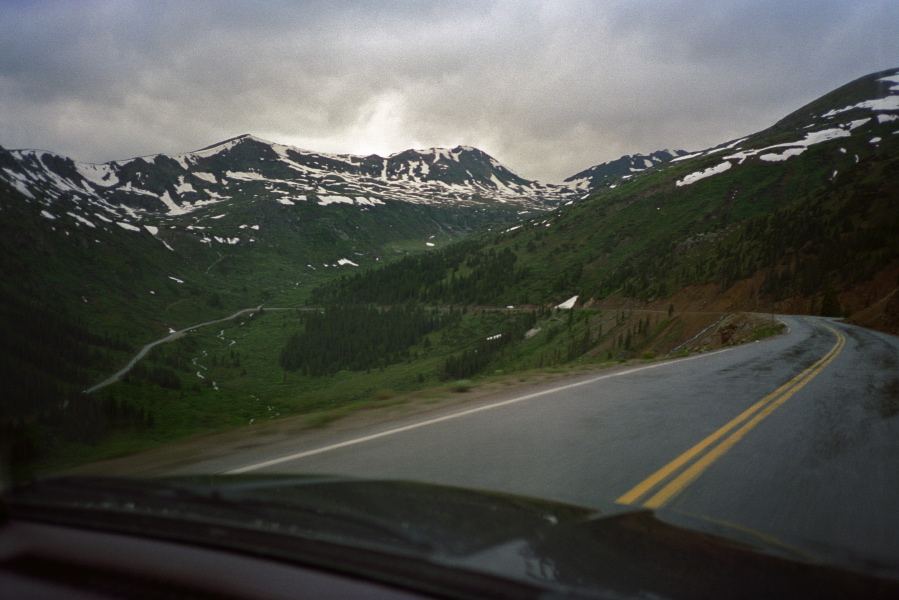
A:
[81, 219]
[99, 175]
[694, 177]
[880, 104]
[205, 176]
[183, 187]
[326, 200]
[774, 157]
[174, 209]
[799, 146]
[18, 182]
[568, 304]
[244, 176]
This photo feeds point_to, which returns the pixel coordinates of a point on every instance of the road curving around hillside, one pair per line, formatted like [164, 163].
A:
[797, 436]
[172, 336]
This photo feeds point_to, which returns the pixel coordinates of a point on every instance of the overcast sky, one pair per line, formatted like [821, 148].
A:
[547, 88]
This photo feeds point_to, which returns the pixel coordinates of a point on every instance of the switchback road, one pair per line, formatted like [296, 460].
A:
[173, 335]
[796, 436]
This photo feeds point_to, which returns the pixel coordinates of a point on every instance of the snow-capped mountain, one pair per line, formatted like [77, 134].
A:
[626, 166]
[251, 168]
[249, 191]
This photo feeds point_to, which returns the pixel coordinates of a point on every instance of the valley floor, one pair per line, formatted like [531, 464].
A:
[701, 332]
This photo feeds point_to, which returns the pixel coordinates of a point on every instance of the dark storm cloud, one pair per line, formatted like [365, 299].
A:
[548, 88]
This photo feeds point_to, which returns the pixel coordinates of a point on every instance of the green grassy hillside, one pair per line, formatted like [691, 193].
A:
[822, 219]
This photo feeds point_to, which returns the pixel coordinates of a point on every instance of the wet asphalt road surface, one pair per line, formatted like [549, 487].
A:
[795, 437]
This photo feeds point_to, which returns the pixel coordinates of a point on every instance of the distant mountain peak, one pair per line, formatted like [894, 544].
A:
[248, 167]
[625, 166]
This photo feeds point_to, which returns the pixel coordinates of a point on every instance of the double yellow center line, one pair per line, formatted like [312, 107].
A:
[679, 473]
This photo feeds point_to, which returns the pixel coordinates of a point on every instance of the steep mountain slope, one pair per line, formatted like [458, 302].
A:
[798, 217]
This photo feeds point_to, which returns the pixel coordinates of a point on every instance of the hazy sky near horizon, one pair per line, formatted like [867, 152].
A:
[547, 88]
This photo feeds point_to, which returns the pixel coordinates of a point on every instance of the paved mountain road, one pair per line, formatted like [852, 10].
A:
[796, 436]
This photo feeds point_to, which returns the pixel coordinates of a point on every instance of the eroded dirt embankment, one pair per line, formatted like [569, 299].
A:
[873, 303]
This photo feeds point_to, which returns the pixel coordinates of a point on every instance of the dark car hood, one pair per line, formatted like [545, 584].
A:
[397, 531]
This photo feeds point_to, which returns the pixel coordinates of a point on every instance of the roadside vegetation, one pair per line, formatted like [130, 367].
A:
[233, 374]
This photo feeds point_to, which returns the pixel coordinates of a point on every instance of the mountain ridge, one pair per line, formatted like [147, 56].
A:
[623, 167]
[461, 176]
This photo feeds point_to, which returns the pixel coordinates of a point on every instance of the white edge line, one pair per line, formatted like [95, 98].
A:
[374, 436]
